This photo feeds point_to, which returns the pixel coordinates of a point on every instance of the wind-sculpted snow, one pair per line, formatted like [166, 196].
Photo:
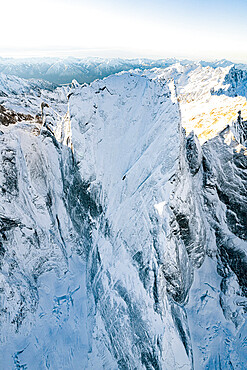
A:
[122, 242]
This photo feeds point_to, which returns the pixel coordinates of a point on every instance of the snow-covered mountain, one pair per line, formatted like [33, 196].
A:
[122, 241]
[209, 98]
[64, 70]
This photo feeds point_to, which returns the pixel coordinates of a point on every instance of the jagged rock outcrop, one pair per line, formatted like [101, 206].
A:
[235, 83]
[218, 295]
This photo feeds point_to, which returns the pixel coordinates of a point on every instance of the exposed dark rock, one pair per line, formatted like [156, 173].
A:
[9, 117]
[193, 153]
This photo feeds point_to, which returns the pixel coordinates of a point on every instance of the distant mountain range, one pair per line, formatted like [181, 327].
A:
[62, 71]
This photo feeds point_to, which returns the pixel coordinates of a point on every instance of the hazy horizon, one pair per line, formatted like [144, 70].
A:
[78, 56]
[207, 30]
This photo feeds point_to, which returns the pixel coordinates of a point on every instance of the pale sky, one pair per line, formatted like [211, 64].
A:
[204, 29]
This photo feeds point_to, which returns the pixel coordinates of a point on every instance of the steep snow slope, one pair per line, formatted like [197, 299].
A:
[123, 244]
[127, 140]
[43, 294]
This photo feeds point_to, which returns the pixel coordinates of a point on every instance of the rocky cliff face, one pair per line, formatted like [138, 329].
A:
[217, 300]
[123, 243]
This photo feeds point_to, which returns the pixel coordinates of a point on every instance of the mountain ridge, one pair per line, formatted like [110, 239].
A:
[64, 70]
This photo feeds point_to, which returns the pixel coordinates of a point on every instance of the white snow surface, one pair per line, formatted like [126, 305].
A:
[209, 98]
[119, 127]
